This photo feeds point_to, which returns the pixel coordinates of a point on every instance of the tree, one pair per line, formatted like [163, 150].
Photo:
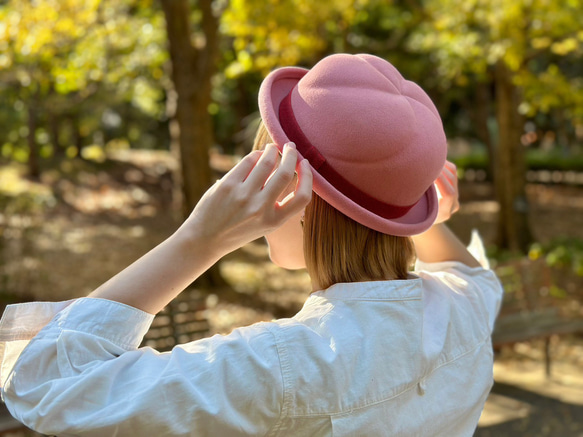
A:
[193, 66]
[192, 70]
[273, 33]
[58, 56]
[509, 44]
[34, 38]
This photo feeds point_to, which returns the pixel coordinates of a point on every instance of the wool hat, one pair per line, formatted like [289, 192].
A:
[374, 141]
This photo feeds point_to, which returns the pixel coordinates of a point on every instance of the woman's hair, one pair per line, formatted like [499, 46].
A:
[339, 249]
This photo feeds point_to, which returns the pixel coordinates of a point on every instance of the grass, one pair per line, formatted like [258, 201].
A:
[536, 159]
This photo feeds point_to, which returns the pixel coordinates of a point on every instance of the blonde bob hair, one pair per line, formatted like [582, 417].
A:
[338, 249]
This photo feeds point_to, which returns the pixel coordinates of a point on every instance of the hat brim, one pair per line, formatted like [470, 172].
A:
[275, 87]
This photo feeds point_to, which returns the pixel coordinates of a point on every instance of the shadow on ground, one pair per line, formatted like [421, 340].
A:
[534, 414]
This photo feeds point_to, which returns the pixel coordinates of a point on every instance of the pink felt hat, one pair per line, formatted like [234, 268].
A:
[375, 141]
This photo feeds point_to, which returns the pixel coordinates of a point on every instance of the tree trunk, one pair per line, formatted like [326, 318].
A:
[54, 130]
[76, 136]
[33, 164]
[513, 227]
[481, 116]
[192, 69]
[562, 132]
[174, 130]
[191, 73]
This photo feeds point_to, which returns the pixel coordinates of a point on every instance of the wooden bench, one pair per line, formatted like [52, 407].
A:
[525, 325]
[528, 314]
[182, 321]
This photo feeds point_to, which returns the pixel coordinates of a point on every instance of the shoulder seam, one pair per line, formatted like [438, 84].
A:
[285, 369]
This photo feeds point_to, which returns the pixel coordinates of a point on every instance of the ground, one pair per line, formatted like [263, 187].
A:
[84, 222]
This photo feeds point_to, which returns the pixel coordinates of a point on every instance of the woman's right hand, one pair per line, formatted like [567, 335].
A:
[239, 208]
[244, 206]
[447, 192]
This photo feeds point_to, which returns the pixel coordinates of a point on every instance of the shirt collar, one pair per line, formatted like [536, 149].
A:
[400, 289]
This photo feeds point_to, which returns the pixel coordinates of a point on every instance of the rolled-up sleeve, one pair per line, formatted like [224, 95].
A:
[480, 283]
[82, 374]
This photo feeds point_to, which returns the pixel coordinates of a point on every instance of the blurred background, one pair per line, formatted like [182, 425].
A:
[115, 117]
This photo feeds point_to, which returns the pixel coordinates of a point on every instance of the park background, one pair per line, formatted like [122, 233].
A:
[115, 116]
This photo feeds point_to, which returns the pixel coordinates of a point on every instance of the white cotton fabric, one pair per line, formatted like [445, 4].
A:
[387, 358]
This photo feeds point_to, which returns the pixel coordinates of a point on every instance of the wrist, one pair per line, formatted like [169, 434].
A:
[195, 240]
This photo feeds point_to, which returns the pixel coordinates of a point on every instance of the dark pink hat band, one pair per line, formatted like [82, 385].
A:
[293, 131]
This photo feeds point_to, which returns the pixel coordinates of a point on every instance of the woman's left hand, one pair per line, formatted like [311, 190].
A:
[448, 193]
[243, 205]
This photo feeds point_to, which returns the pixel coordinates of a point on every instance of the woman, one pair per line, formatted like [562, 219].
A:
[375, 351]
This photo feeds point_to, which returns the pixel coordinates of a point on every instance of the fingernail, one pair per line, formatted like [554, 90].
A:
[291, 145]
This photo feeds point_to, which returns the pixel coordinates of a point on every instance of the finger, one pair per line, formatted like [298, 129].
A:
[444, 185]
[240, 172]
[263, 168]
[282, 177]
[449, 177]
[452, 170]
[449, 171]
[303, 192]
[450, 165]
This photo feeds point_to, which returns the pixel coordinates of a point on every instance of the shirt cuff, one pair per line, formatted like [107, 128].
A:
[24, 320]
[20, 323]
[121, 324]
[116, 322]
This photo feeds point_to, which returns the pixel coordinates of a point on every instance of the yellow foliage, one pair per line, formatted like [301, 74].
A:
[13, 183]
[565, 47]
[93, 153]
[541, 42]
[37, 28]
[272, 33]
[535, 252]
[71, 151]
[83, 48]
[482, 33]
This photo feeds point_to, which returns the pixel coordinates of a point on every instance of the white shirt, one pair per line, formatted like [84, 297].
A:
[387, 358]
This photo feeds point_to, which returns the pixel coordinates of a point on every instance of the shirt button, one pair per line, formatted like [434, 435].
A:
[421, 387]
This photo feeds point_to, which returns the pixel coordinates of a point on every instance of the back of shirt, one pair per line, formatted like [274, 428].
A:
[390, 358]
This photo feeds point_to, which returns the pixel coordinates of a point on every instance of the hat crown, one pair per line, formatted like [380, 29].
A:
[372, 126]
